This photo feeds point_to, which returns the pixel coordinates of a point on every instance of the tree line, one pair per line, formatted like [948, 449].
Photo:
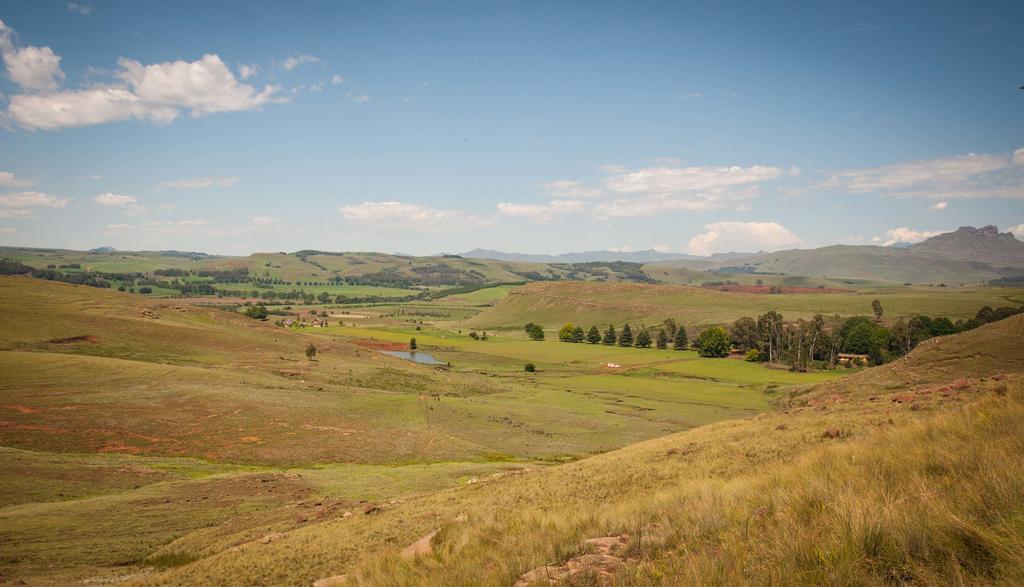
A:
[800, 343]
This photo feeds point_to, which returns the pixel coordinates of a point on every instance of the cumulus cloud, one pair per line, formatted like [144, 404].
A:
[297, 60]
[8, 179]
[32, 68]
[200, 182]
[671, 180]
[1018, 231]
[154, 93]
[203, 87]
[25, 204]
[939, 206]
[963, 176]
[653, 190]
[357, 98]
[401, 215]
[247, 70]
[571, 189]
[80, 7]
[258, 222]
[129, 203]
[906, 235]
[740, 236]
[337, 80]
[161, 227]
[542, 212]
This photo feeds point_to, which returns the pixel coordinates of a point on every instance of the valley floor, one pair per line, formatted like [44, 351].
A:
[158, 442]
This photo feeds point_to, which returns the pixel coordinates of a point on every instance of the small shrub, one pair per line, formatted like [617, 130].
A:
[530, 368]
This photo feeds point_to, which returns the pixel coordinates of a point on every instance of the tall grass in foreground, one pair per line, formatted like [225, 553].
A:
[939, 502]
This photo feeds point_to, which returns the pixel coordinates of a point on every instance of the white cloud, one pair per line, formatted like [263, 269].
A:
[541, 212]
[162, 227]
[155, 93]
[23, 204]
[962, 176]
[653, 190]
[32, 68]
[357, 98]
[200, 182]
[337, 80]
[740, 236]
[939, 206]
[400, 215]
[669, 180]
[129, 203]
[906, 235]
[662, 248]
[262, 222]
[297, 60]
[204, 86]
[247, 70]
[1018, 231]
[80, 8]
[691, 96]
[571, 189]
[8, 179]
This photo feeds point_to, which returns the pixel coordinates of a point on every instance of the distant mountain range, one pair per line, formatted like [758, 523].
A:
[966, 255]
[984, 245]
[646, 256]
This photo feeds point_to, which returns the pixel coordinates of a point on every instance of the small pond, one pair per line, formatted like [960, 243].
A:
[415, 356]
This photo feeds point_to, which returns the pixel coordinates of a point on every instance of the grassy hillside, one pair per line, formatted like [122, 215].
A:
[554, 304]
[155, 442]
[866, 262]
[908, 473]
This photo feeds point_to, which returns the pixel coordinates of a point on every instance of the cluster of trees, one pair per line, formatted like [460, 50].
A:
[534, 331]
[797, 343]
[668, 333]
[820, 340]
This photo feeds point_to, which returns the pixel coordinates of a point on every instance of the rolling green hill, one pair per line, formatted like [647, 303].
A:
[911, 470]
[553, 304]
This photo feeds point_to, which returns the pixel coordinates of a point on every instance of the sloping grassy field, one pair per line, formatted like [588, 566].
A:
[552, 304]
[906, 473]
[154, 442]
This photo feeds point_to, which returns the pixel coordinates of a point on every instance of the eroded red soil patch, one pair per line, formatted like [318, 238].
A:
[774, 289]
[73, 339]
[380, 345]
[19, 408]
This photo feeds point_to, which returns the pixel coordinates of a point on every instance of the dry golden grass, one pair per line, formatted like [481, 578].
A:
[924, 484]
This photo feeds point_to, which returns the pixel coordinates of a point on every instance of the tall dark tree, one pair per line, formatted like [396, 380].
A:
[643, 339]
[680, 341]
[626, 336]
[876, 307]
[745, 334]
[670, 327]
[593, 335]
[662, 340]
[577, 334]
[609, 336]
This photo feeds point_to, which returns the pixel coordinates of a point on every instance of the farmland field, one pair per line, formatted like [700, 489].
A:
[553, 304]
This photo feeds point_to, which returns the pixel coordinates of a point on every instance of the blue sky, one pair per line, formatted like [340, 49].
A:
[536, 127]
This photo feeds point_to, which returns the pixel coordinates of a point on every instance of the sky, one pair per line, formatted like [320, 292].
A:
[538, 127]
